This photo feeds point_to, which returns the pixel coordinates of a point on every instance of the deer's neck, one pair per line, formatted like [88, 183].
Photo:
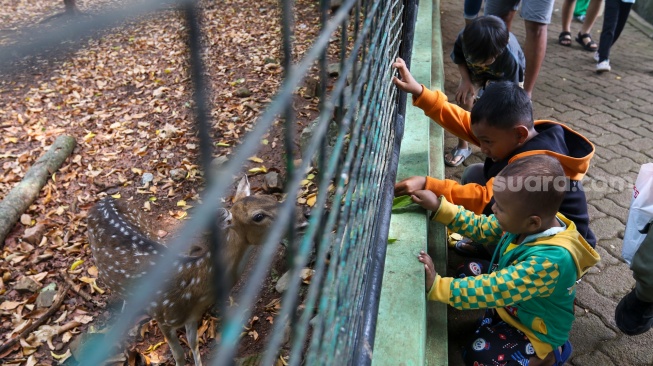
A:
[235, 247]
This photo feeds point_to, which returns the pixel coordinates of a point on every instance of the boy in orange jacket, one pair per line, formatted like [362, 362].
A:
[501, 124]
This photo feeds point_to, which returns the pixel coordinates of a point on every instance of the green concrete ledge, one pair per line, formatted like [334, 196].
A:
[410, 330]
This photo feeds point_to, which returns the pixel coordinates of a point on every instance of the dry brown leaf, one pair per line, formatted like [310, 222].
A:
[10, 305]
[92, 271]
[253, 334]
[25, 219]
[310, 199]
[31, 360]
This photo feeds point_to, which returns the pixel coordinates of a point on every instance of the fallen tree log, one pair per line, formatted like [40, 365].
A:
[24, 193]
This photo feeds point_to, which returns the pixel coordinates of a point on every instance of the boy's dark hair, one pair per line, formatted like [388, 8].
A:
[540, 182]
[504, 104]
[485, 37]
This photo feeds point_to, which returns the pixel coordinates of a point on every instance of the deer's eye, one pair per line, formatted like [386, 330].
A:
[258, 217]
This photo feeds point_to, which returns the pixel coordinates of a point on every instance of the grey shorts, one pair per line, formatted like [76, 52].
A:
[538, 11]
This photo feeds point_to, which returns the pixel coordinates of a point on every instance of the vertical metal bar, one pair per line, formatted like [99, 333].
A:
[288, 115]
[199, 88]
[365, 344]
[206, 145]
[405, 51]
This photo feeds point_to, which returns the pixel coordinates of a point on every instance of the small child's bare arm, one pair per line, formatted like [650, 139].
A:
[410, 185]
[426, 199]
[407, 83]
[429, 269]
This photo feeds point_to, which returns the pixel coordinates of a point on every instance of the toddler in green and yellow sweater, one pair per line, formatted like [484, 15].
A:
[531, 285]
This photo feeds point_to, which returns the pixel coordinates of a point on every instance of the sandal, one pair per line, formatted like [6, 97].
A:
[565, 39]
[456, 152]
[563, 356]
[469, 248]
[588, 46]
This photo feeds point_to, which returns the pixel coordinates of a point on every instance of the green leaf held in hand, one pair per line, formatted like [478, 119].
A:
[401, 202]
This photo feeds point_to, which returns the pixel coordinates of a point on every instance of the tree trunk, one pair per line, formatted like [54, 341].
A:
[25, 192]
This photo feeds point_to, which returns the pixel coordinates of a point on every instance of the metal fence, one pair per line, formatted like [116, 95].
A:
[348, 240]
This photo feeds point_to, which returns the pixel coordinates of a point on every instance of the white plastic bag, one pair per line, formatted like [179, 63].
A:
[641, 212]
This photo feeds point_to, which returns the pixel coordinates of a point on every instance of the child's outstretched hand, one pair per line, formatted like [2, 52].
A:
[409, 186]
[407, 82]
[465, 94]
[426, 199]
[429, 269]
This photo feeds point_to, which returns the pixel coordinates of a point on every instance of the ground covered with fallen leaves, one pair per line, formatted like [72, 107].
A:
[125, 96]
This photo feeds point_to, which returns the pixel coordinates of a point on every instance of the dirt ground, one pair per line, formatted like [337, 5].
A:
[125, 96]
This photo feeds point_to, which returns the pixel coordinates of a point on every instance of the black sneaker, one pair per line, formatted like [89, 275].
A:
[634, 316]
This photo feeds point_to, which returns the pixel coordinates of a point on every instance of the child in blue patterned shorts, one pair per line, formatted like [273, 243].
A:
[540, 256]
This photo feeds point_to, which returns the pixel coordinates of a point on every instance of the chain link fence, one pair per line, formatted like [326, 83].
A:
[354, 145]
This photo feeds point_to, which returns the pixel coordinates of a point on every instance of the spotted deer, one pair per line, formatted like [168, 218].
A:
[123, 249]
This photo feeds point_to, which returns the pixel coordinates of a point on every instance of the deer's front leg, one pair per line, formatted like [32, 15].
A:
[191, 336]
[175, 347]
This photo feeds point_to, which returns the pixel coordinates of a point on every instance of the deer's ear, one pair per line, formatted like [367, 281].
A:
[243, 189]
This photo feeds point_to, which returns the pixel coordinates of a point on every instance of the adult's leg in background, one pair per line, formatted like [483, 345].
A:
[537, 16]
[534, 51]
[624, 11]
[566, 14]
[504, 9]
[610, 18]
[593, 10]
